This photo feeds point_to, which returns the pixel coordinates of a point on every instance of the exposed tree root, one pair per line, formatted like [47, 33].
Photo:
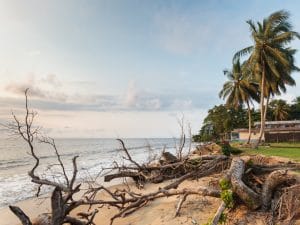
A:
[256, 185]
[218, 214]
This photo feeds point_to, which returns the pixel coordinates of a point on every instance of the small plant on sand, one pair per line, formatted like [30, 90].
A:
[226, 194]
[224, 184]
[227, 197]
[223, 218]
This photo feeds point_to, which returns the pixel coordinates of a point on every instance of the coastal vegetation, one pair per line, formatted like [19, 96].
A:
[285, 150]
[257, 183]
[271, 59]
[265, 73]
[222, 119]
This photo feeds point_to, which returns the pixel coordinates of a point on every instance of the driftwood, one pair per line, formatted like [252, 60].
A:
[218, 214]
[253, 185]
[21, 215]
[136, 176]
[248, 196]
[62, 199]
[273, 180]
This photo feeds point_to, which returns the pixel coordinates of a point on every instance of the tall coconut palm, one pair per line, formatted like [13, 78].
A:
[270, 56]
[239, 89]
[277, 86]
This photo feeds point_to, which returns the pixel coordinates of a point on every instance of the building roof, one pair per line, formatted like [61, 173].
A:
[279, 122]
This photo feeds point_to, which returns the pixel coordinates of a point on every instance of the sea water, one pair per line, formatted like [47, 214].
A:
[94, 155]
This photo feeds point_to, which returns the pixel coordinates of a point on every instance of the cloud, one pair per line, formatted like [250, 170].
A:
[289, 97]
[182, 104]
[140, 100]
[154, 104]
[45, 88]
[52, 80]
[18, 88]
[48, 93]
[131, 96]
[35, 91]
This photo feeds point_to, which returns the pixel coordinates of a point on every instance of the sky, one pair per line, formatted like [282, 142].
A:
[123, 68]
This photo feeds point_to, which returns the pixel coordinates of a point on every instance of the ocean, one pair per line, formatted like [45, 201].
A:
[94, 154]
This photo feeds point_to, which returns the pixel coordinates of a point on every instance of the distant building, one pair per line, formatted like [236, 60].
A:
[275, 131]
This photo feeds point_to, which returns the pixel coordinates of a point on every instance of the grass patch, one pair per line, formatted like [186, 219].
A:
[286, 150]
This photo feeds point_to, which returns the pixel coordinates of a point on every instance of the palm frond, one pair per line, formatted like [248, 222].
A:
[242, 52]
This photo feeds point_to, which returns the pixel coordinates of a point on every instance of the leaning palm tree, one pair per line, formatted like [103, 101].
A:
[239, 89]
[270, 56]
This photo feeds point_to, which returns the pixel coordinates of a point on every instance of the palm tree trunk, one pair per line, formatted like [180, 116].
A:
[250, 122]
[265, 116]
[262, 98]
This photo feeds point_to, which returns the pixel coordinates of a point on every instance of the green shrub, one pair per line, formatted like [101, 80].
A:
[226, 148]
[227, 197]
[225, 184]
[223, 218]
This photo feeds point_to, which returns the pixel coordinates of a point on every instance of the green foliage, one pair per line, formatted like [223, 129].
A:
[196, 138]
[240, 88]
[224, 184]
[271, 60]
[220, 121]
[226, 194]
[226, 148]
[287, 150]
[227, 197]
[279, 109]
[223, 218]
[250, 163]
[235, 151]
[208, 223]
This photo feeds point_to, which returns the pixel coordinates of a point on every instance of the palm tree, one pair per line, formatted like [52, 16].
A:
[239, 89]
[271, 61]
[280, 109]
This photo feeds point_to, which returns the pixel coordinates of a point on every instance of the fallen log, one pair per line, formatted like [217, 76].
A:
[246, 194]
[135, 175]
[273, 180]
[21, 215]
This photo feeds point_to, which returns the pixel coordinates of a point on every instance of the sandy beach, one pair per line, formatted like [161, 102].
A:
[196, 210]
[33, 207]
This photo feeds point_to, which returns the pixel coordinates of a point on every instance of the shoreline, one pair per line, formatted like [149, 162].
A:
[35, 206]
[158, 212]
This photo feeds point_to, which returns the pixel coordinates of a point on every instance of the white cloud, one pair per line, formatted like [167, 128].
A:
[49, 93]
[45, 88]
[131, 95]
[153, 104]
[287, 96]
[182, 104]
[51, 79]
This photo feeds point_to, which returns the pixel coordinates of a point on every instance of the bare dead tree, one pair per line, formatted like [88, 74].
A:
[252, 184]
[62, 199]
[179, 150]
